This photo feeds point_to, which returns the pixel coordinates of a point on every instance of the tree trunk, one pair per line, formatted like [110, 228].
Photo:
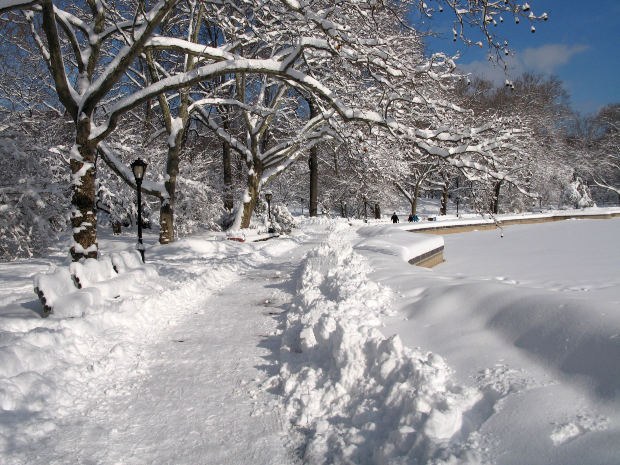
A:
[83, 200]
[166, 209]
[250, 197]
[444, 199]
[313, 163]
[495, 201]
[377, 212]
[228, 181]
[414, 200]
[166, 222]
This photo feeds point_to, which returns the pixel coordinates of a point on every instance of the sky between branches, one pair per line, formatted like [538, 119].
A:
[578, 43]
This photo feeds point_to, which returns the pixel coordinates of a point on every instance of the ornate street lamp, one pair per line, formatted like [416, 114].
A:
[268, 197]
[139, 167]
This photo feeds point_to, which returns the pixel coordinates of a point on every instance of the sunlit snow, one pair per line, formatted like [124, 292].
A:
[325, 346]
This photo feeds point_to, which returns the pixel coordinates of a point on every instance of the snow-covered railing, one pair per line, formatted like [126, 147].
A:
[70, 291]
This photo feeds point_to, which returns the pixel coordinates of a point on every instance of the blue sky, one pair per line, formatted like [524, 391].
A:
[580, 43]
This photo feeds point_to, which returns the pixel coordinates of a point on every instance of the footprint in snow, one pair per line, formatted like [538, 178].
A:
[582, 424]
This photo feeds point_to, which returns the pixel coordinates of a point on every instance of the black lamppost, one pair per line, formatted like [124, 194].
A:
[139, 167]
[268, 197]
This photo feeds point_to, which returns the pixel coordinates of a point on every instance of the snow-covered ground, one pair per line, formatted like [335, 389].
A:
[326, 347]
[532, 321]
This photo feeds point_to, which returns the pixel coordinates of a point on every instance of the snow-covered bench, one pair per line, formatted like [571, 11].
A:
[68, 291]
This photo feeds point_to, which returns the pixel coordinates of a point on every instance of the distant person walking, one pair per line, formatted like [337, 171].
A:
[395, 218]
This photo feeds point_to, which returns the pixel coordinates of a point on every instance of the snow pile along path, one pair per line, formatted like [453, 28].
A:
[357, 396]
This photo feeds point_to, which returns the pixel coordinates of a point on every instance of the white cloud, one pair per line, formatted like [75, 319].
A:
[548, 58]
[545, 59]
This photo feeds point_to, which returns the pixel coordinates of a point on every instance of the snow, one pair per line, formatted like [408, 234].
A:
[362, 397]
[176, 125]
[324, 346]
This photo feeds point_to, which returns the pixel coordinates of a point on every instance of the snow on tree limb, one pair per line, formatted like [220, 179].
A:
[8, 5]
[113, 160]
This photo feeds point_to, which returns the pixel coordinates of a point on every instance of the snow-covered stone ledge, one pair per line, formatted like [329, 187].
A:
[451, 224]
[426, 251]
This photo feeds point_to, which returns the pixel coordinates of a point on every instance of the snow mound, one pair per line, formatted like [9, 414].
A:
[358, 396]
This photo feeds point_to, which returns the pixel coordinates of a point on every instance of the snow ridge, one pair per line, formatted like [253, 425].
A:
[355, 395]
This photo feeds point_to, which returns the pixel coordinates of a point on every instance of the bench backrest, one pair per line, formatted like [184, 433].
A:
[90, 271]
[53, 285]
[126, 261]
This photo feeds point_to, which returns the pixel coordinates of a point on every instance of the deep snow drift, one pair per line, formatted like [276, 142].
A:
[327, 347]
[532, 320]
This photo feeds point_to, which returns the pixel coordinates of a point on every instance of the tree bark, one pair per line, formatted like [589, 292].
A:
[166, 209]
[313, 163]
[414, 200]
[495, 201]
[251, 197]
[228, 180]
[444, 199]
[83, 200]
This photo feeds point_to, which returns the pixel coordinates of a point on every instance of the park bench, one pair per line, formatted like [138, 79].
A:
[68, 290]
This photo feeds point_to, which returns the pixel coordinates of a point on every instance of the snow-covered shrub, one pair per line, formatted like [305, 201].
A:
[282, 220]
[577, 194]
[198, 206]
[34, 195]
[116, 202]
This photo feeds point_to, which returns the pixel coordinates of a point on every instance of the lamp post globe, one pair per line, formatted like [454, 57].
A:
[138, 167]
